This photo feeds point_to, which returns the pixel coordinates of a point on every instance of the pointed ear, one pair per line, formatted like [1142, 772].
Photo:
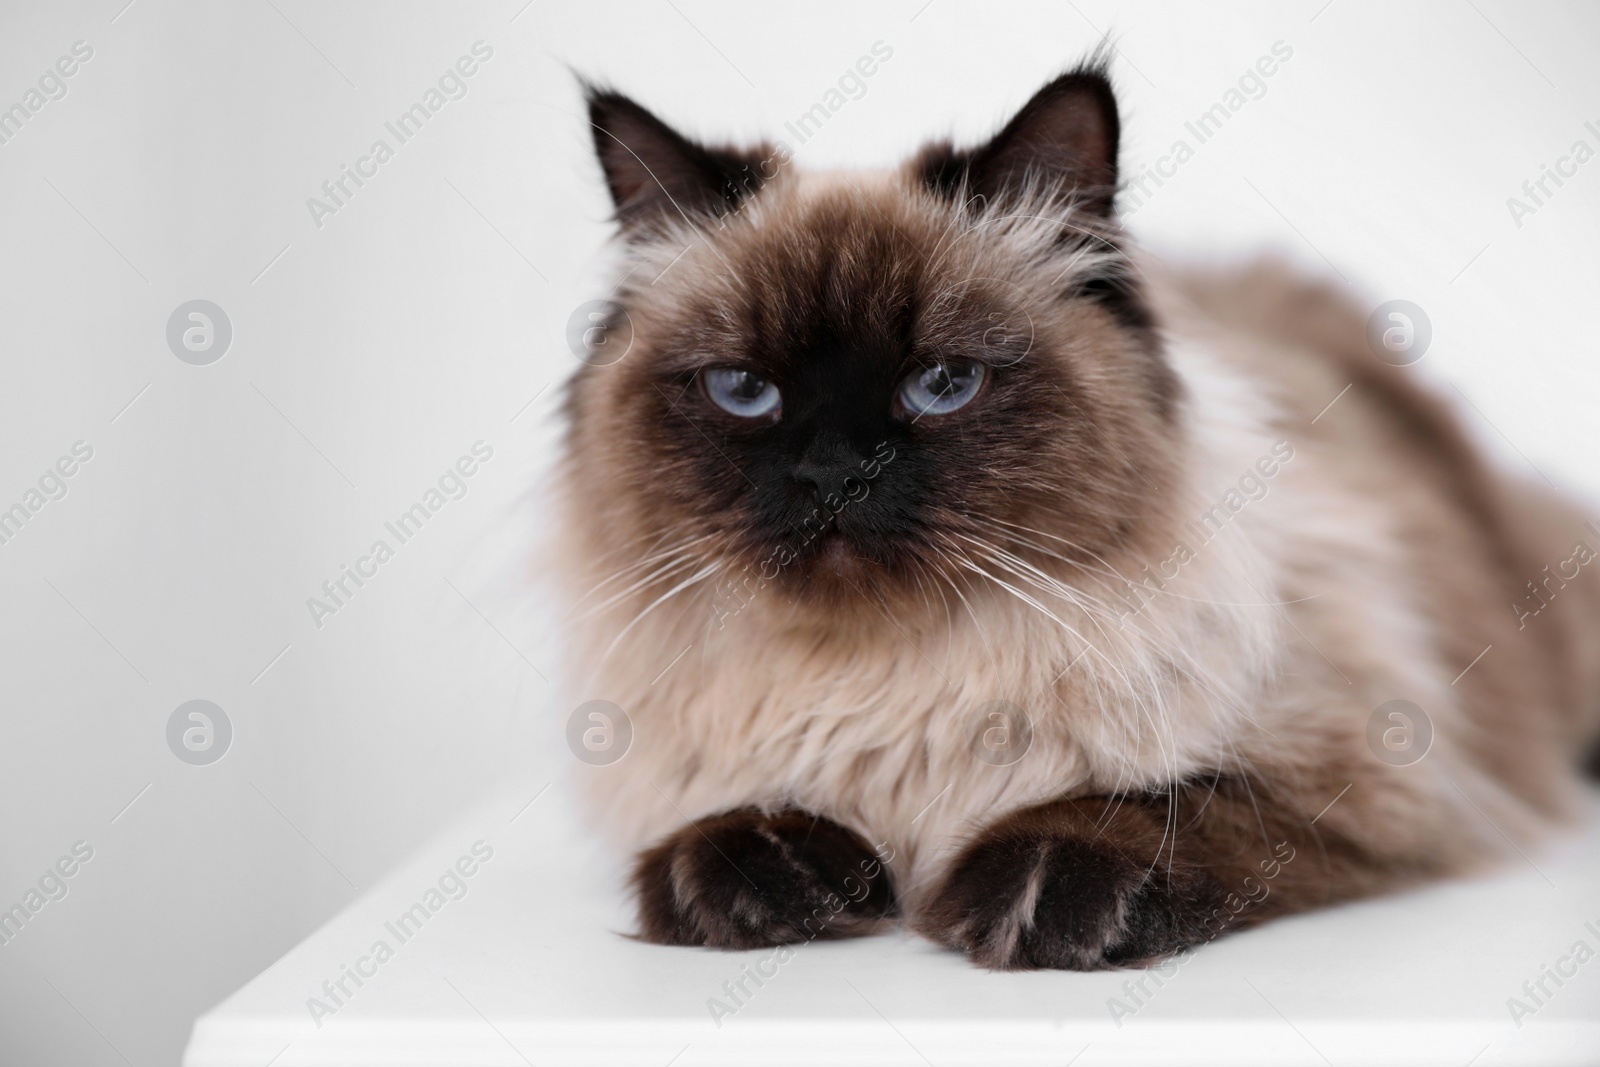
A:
[1065, 139]
[656, 174]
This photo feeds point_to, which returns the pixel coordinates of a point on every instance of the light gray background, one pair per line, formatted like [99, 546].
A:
[431, 312]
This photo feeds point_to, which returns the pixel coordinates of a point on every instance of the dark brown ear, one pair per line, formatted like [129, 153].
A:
[655, 174]
[1064, 139]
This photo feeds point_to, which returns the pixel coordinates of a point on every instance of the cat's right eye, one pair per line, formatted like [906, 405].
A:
[942, 388]
[738, 392]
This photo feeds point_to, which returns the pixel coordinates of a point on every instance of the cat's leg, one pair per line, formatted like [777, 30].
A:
[748, 879]
[1100, 882]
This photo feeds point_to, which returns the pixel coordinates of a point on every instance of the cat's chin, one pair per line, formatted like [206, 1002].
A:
[836, 560]
[834, 574]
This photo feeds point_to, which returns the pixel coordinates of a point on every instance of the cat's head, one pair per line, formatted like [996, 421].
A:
[854, 383]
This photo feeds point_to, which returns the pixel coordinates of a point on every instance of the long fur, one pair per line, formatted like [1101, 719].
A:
[1231, 707]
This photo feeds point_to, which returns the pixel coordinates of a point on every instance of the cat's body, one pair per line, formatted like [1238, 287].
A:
[1196, 580]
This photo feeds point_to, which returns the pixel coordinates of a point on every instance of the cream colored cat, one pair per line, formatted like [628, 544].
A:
[957, 564]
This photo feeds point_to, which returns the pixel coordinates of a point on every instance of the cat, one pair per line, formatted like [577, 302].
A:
[960, 567]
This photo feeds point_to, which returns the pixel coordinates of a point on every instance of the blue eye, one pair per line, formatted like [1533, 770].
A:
[941, 388]
[739, 392]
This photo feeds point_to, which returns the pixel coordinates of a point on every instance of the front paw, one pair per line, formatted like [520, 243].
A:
[748, 879]
[1028, 899]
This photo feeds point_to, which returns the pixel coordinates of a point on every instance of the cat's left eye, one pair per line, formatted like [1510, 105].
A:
[941, 388]
[738, 392]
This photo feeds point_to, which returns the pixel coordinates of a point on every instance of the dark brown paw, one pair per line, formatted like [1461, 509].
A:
[1023, 899]
[749, 880]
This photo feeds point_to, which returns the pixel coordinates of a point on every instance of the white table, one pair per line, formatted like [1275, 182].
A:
[529, 967]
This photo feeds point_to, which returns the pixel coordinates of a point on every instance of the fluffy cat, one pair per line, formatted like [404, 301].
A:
[958, 566]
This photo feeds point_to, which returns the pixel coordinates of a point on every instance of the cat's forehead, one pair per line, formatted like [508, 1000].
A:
[872, 249]
[843, 226]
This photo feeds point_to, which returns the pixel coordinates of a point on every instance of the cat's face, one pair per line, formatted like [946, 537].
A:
[855, 384]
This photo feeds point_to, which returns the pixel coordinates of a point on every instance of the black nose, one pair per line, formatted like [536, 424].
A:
[825, 477]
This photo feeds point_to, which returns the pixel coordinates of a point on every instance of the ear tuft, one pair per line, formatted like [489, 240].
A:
[655, 174]
[1064, 139]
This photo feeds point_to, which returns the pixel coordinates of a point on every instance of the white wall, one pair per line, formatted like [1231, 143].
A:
[427, 312]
